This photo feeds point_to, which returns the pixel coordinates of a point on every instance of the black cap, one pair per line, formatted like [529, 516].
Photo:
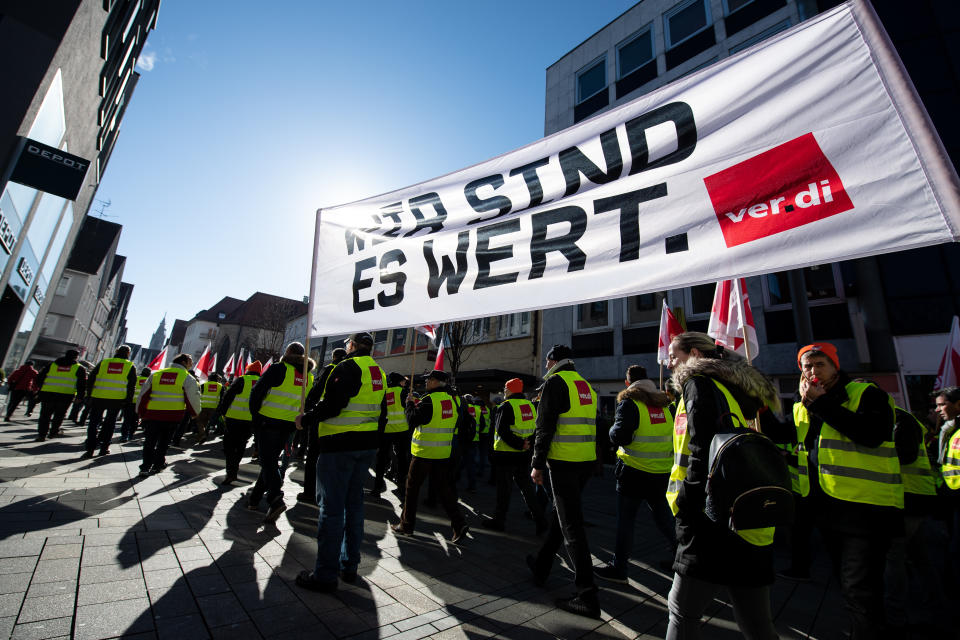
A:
[72, 354]
[338, 354]
[437, 374]
[396, 379]
[559, 352]
[361, 338]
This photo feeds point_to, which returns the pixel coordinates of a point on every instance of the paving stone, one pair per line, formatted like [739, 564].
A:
[172, 602]
[19, 548]
[56, 570]
[10, 604]
[42, 630]
[189, 626]
[413, 599]
[343, 622]
[162, 578]
[221, 609]
[100, 592]
[17, 565]
[98, 621]
[204, 585]
[6, 626]
[237, 631]
[159, 561]
[125, 555]
[386, 615]
[15, 583]
[46, 607]
[262, 595]
[58, 551]
[110, 573]
[52, 588]
[284, 617]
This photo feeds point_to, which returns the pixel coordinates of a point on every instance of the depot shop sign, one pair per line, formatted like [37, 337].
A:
[810, 147]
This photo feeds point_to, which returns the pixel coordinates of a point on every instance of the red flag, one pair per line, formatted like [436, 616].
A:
[731, 320]
[160, 361]
[266, 366]
[438, 365]
[950, 362]
[429, 330]
[205, 364]
[228, 368]
[669, 329]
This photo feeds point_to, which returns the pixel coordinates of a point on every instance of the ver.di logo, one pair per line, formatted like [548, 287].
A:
[788, 186]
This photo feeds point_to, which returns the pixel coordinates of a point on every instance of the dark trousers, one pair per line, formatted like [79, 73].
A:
[310, 464]
[179, 430]
[859, 562]
[16, 397]
[156, 439]
[566, 523]
[130, 421]
[393, 444]
[235, 443]
[627, 507]
[800, 533]
[510, 469]
[102, 414]
[441, 477]
[271, 440]
[52, 412]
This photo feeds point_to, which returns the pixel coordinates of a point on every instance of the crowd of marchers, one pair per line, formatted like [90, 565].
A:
[866, 474]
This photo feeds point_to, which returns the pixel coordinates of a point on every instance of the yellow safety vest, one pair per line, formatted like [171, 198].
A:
[210, 395]
[166, 390]
[681, 460]
[434, 440]
[239, 408]
[283, 402]
[576, 436]
[396, 419]
[918, 477]
[486, 418]
[524, 423]
[847, 470]
[651, 449]
[111, 379]
[140, 381]
[61, 379]
[362, 412]
[477, 414]
[951, 462]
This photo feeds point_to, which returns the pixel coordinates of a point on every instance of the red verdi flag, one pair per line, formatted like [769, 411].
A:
[160, 361]
[731, 320]
[669, 329]
[950, 363]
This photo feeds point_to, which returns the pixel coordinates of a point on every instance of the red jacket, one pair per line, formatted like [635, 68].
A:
[23, 379]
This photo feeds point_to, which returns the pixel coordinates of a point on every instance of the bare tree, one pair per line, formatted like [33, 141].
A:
[461, 338]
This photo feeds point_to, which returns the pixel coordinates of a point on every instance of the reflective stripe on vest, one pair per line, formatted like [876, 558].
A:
[61, 379]
[576, 435]
[848, 471]
[475, 411]
[239, 408]
[524, 423]
[951, 462]
[362, 412]
[396, 420]
[166, 390]
[681, 446]
[111, 379]
[918, 477]
[434, 440]
[651, 449]
[283, 402]
[209, 395]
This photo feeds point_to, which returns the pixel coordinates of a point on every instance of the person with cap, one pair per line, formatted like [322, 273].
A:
[349, 420]
[22, 384]
[947, 405]
[130, 419]
[396, 435]
[643, 433]
[274, 405]
[112, 384]
[60, 382]
[309, 493]
[515, 421]
[235, 406]
[166, 397]
[849, 467]
[565, 442]
[433, 418]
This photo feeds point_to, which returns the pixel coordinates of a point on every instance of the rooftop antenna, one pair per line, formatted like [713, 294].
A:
[104, 205]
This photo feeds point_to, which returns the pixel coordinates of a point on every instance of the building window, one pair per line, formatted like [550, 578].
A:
[699, 299]
[635, 52]
[423, 342]
[477, 331]
[64, 286]
[593, 315]
[733, 5]
[776, 290]
[379, 343]
[514, 325]
[398, 341]
[823, 284]
[592, 79]
[685, 21]
[645, 309]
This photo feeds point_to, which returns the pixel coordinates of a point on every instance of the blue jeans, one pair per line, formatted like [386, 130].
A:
[690, 597]
[340, 478]
[627, 507]
[271, 441]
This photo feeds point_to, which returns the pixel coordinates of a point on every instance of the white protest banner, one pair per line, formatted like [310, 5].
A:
[809, 147]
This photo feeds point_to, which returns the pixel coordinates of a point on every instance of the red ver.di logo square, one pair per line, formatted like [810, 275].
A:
[783, 188]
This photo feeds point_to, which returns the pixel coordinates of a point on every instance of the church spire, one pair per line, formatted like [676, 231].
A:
[160, 335]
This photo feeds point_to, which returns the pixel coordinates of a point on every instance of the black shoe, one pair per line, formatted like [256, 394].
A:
[493, 524]
[39, 439]
[460, 534]
[157, 469]
[228, 480]
[400, 531]
[104, 452]
[307, 580]
[26, 415]
[584, 604]
[308, 498]
[538, 579]
[278, 507]
[87, 455]
[348, 576]
[611, 573]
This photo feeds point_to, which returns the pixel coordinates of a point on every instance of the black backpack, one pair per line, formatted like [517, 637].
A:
[748, 486]
[466, 425]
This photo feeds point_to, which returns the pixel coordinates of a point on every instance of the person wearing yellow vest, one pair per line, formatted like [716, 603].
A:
[947, 405]
[471, 450]
[309, 493]
[211, 393]
[235, 406]
[165, 399]
[112, 384]
[433, 418]
[395, 443]
[59, 382]
[130, 419]
[853, 478]
[565, 442]
[515, 420]
[718, 391]
[275, 404]
[643, 432]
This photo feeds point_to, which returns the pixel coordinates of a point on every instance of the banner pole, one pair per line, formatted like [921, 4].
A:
[413, 361]
[661, 376]
[741, 311]
[310, 301]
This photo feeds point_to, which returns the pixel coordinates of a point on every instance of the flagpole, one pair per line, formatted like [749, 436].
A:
[741, 310]
[310, 301]
[413, 362]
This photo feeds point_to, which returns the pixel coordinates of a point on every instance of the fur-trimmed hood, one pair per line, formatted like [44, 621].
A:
[297, 362]
[735, 372]
[646, 392]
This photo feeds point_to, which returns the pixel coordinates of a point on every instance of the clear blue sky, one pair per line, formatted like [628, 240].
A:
[250, 116]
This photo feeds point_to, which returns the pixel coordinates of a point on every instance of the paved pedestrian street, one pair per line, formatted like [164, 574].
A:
[89, 550]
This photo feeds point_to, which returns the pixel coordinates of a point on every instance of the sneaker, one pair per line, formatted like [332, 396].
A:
[308, 580]
[611, 573]
[538, 579]
[278, 507]
[400, 531]
[493, 524]
[86, 455]
[460, 534]
[26, 415]
[794, 575]
[348, 576]
[583, 604]
[156, 469]
[143, 473]
[104, 452]
[227, 480]
[39, 439]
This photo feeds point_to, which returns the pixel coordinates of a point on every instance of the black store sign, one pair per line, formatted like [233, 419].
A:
[49, 169]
